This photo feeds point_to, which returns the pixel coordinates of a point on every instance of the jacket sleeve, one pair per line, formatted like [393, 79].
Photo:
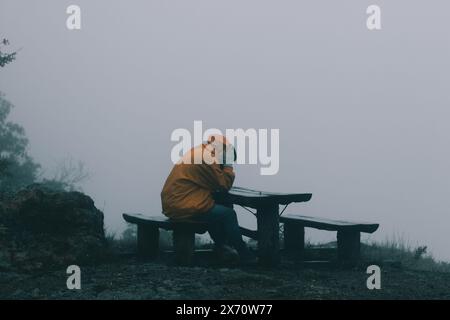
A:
[217, 179]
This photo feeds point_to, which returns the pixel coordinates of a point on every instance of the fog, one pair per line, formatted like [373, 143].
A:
[363, 115]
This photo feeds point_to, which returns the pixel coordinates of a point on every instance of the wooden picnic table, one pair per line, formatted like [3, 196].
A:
[267, 215]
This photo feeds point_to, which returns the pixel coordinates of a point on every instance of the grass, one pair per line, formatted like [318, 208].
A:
[402, 254]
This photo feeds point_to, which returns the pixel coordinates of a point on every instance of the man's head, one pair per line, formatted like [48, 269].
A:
[223, 149]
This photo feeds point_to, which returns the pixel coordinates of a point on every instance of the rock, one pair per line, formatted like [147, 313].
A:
[42, 228]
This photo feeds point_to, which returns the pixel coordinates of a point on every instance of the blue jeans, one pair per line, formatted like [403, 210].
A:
[223, 227]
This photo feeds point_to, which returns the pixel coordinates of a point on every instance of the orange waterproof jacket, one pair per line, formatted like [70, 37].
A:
[189, 188]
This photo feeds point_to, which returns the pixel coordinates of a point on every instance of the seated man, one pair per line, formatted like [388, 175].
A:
[188, 193]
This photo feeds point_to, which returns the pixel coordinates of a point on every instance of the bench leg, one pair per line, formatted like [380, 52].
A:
[183, 242]
[268, 221]
[147, 241]
[349, 245]
[294, 239]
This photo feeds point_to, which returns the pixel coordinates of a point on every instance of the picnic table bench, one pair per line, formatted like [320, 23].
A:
[148, 235]
[348, 234]
[267, 232]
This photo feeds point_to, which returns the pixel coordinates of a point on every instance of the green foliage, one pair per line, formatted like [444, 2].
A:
[6, 58]
[17, 168]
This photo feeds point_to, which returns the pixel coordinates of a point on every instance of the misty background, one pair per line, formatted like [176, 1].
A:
[363, 115]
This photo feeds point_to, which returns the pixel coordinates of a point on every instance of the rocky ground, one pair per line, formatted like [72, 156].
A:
[127, 278]
[44, 231]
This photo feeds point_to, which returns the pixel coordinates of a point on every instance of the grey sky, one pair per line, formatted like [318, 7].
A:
[363, 116]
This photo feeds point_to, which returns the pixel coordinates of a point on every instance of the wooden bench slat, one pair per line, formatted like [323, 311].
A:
[328, 224]
[164, 222]
[253, 234]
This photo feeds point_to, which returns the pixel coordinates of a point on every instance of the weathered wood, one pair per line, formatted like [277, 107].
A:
[252, 234]
[268, 233]
[348, 233]
[331, 225]
[294, 239]
[164, 222]
[349, 246]
[147, 241]
[253, 199]
[183, 235]
[183, 242]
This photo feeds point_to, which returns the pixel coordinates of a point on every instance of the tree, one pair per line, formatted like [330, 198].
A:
[68, 176]
[6, 58]
[17, 168]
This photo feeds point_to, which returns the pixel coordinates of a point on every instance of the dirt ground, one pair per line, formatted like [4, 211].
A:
[128, 278]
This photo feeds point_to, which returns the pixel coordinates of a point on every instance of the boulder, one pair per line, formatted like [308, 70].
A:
[44, 229]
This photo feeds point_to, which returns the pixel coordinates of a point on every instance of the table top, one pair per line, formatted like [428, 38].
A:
[255, 198]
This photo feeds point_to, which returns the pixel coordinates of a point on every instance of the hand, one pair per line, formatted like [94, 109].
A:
[229, 155]
[224, 154]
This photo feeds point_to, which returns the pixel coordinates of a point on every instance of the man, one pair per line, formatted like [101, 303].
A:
[188, 194]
